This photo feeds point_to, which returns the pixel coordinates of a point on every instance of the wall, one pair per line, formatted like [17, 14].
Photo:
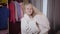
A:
[53, 15]
[38, 4]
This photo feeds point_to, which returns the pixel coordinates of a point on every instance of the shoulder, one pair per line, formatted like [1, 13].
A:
[22, 19]
[39, 16]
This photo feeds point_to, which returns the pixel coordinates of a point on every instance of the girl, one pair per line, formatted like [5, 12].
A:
[33, 21]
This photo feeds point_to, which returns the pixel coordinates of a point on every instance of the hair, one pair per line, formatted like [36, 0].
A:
[35, 10]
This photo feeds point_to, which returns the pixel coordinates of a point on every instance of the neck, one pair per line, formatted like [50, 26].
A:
[30, 16]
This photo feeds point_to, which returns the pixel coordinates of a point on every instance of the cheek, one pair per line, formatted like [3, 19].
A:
[27, 11]
[31, 11]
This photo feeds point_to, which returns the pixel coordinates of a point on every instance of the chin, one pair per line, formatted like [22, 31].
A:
[30, 14]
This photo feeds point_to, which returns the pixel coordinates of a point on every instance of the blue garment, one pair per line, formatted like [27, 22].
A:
[4, 14]
[17, 6]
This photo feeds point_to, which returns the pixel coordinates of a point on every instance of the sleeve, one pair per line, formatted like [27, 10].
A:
[23, 31]
[43, 24]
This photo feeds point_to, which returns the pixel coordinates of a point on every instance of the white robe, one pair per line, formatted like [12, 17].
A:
[28, 25]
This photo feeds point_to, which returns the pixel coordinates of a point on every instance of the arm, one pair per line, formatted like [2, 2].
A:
[43, 24]
[23, 28]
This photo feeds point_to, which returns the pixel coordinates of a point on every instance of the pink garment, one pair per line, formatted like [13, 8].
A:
[12, 12]
[16, 10]
[21, 11]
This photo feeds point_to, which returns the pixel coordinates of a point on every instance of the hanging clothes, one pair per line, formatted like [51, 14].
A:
[4, 15]
[18, 11]
[18, 15]
[22, 9]
[12, 12]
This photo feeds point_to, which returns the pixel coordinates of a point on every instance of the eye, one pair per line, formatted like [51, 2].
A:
[27, 8]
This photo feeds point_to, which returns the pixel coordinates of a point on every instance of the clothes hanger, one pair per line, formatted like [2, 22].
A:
[0, 5]
[3, 5]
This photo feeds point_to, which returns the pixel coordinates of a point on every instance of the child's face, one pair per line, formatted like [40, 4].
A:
[29, 9]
